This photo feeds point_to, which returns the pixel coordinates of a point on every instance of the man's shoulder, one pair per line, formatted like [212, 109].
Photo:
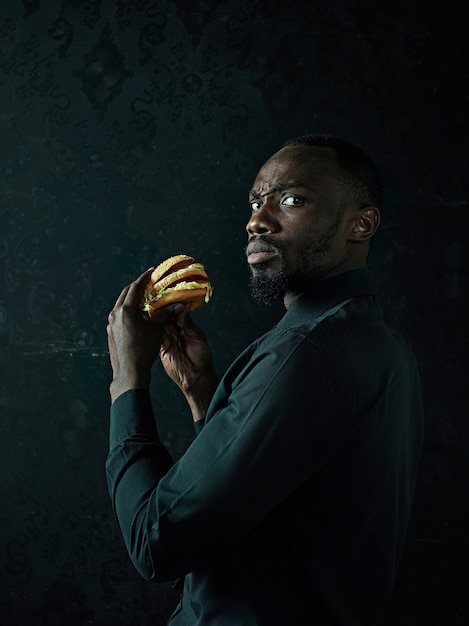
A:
[346, 318]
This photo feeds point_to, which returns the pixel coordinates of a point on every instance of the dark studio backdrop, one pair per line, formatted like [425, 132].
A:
[132, 130]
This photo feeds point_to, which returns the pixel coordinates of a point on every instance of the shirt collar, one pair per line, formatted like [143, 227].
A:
[327, 294]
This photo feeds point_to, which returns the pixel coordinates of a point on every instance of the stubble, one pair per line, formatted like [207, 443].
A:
[266, 289]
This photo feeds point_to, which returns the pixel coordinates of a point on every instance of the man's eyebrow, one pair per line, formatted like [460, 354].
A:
[278, 186]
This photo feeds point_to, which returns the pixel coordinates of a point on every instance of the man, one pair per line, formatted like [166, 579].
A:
[290, 507]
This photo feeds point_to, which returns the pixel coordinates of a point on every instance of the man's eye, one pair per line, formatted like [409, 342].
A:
[292, 201]
[255, 205]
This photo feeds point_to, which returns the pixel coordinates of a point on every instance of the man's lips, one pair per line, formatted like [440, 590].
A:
[259, 252]
[259, 257]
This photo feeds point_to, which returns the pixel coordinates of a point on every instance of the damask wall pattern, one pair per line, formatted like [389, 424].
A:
[131, 130]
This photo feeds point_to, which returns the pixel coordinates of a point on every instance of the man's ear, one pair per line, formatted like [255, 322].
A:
[364, 224]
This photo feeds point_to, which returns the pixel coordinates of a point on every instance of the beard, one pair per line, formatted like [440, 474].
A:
[313, 259]
[266, 290]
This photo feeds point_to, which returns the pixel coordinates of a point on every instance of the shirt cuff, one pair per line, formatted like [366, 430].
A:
[132, 414]
[198, 425]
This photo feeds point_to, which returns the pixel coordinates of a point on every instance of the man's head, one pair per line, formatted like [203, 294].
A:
[314, 208]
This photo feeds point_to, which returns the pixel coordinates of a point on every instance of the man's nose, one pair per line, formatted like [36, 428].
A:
[262, 220]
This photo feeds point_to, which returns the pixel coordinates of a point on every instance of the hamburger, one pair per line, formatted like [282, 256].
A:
[178, 279]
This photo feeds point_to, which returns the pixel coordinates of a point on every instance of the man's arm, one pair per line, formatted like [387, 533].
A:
[135, 341]
[253, 452]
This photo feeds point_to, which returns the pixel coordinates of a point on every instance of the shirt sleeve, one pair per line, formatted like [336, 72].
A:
[273, 421]
[136, 461]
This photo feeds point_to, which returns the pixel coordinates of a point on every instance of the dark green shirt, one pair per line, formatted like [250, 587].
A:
[291, 505]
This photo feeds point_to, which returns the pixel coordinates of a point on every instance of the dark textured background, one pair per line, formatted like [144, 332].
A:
[131, 130]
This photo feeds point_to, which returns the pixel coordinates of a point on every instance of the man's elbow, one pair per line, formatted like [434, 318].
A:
[153, 566]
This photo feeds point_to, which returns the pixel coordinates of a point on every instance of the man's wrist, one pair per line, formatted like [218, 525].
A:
[121, 384]
[200, 401]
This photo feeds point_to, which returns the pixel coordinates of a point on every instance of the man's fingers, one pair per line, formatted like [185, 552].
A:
[144, 277]
[135, 290]
[131, 298]
[166, 314]
[121, 297]
[183, 315]
[132, 294]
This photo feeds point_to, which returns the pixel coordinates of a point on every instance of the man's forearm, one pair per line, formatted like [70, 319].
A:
[136, 463]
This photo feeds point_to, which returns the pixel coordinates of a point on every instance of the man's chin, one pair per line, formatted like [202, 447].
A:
[266, 289]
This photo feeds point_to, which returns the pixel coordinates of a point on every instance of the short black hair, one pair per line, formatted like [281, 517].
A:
[359, 173]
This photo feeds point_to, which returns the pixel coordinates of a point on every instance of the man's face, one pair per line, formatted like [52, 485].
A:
[297, 233]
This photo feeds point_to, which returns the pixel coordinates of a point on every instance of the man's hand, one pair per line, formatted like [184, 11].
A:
[135, 338]
[187, 359]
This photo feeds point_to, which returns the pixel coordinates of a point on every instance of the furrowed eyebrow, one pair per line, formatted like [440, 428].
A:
[279, 186]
